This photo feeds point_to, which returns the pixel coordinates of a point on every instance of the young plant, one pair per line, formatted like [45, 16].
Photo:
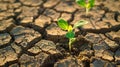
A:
[70, 29]
[88, 4]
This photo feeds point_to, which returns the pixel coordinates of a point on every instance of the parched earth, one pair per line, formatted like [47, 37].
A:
[30, 36]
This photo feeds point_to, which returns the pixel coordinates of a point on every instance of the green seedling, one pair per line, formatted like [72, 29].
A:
[70, 29]
[88, 4]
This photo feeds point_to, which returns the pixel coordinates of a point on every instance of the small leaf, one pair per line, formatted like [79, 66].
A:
[80, 23]
[81, 3]
[70, 34]
[63, 24]
[88, 6]
[70, 28]
[91, 2]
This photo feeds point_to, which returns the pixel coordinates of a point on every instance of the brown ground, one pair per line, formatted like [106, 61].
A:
[30, 36]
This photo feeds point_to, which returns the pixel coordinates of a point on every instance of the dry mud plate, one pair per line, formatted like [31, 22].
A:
[30, 36]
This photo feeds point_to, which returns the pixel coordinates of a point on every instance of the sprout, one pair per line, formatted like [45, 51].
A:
[86, 4]
[70, 30]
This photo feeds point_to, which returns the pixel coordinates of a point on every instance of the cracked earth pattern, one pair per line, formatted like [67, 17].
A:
[30, 37]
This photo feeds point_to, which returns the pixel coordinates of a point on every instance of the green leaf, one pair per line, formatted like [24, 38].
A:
[91, 2]
[63, 24]
[81, 3]
[70, 34]
[80, 23]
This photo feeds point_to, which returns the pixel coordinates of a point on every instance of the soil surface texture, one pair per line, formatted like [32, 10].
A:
[30, 36]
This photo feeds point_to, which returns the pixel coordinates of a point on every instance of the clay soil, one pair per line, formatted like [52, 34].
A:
[30, 36]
